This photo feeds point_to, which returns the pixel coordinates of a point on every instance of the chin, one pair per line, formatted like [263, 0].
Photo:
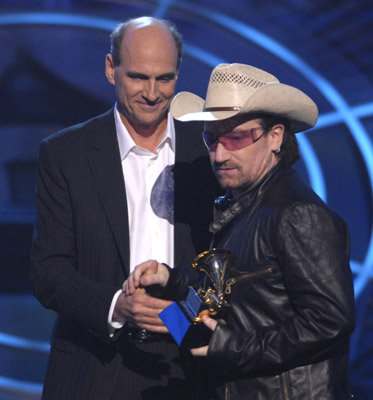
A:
[236, 187]
[153, 121]
[226, 185]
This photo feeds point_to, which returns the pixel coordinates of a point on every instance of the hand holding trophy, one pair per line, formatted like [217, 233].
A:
[183, 319]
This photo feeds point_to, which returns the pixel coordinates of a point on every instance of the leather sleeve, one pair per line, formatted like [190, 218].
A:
[310, 245]
[179, 281]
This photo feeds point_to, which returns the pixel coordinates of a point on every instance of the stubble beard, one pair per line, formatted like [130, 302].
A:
[237, 185]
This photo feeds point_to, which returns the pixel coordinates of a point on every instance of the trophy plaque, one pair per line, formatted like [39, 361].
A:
[183, 318]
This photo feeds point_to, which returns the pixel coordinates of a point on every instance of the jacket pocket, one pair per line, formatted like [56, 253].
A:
[64, 345]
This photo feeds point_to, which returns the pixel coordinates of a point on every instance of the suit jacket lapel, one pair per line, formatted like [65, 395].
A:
[105, 163]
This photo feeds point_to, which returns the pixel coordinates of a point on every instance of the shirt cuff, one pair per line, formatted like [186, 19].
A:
[114, 325]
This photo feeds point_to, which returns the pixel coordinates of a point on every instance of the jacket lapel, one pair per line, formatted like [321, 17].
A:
[106, 167]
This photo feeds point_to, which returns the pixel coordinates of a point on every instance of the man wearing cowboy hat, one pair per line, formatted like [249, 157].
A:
[286, 335]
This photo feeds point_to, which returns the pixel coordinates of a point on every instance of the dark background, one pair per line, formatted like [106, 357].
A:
[52, 76]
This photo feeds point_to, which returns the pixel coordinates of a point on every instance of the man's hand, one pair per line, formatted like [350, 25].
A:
[141, 310]
[135, 306]
[211, 324]
[147, 273]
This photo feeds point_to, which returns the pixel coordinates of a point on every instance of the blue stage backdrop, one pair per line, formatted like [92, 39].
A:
[52, 76]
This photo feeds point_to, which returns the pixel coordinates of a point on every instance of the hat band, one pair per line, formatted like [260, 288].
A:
[236, 108]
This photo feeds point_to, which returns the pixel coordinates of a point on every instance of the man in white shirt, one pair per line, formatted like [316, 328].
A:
[122, 188]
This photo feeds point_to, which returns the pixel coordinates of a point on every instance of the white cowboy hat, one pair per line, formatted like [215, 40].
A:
[238, 88]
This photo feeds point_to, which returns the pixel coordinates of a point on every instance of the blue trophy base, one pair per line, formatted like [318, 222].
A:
[179, 320]
[175, 321]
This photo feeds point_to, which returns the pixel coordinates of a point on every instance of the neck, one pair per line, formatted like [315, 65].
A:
[146, 136]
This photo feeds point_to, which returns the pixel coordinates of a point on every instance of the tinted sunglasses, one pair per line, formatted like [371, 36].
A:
[233, 140]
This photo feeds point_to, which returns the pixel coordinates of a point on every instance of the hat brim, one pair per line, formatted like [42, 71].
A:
[276, 99]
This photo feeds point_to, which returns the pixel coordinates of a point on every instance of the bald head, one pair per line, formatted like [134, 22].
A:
[145, 24]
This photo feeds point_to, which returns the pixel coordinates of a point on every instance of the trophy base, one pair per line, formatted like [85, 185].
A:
[192, 306]
[186, 333]
[181, 320]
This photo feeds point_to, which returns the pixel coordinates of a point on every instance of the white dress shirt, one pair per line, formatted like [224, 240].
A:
[150, 198]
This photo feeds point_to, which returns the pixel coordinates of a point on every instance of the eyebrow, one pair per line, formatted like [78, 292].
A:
[168, 76]
[139, 75]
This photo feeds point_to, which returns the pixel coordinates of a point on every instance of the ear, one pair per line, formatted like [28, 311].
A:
[109, 69]
[277, 135]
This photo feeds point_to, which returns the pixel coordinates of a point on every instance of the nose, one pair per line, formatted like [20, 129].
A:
[221, 154]
[150, 92]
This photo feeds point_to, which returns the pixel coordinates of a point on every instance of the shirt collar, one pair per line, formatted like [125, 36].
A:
[126, 143]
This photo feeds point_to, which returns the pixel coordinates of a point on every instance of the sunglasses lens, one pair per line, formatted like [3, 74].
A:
[237, 140]
[232, 141]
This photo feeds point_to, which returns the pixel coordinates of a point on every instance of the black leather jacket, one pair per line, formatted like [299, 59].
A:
[286, 335]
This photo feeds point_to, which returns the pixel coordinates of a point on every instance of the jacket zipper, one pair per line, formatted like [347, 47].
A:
[285, 386]
[231, 282]
[236, 279]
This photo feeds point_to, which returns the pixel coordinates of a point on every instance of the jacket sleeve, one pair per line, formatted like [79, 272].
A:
[178, 283]
[310, 245]
[55, 276]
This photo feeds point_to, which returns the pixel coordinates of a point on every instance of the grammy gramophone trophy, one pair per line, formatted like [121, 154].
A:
[183, 318]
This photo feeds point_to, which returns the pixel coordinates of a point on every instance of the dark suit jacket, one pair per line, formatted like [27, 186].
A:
[80, 258]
